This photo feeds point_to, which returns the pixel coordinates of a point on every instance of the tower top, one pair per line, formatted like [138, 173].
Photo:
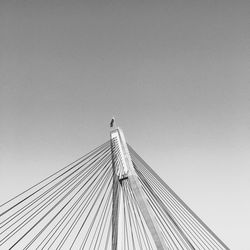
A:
[112, 123]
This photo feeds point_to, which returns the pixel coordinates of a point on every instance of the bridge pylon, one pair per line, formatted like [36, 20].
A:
[122, 171]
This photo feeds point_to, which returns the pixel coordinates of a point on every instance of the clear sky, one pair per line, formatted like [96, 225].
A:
[174, 73]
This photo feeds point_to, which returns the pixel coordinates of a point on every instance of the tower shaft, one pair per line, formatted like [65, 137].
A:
[125, 170]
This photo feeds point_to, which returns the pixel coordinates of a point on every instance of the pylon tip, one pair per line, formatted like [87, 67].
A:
[112, 122]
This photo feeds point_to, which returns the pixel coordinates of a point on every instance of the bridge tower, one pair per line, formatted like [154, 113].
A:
[125, 171]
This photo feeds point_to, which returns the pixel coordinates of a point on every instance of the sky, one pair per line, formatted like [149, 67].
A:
[174, 73]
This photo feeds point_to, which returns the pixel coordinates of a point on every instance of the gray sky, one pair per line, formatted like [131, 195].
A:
[175, 74]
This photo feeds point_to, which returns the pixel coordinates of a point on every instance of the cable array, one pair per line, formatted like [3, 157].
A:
[70, 209]
[180, 226]
[87, 205]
